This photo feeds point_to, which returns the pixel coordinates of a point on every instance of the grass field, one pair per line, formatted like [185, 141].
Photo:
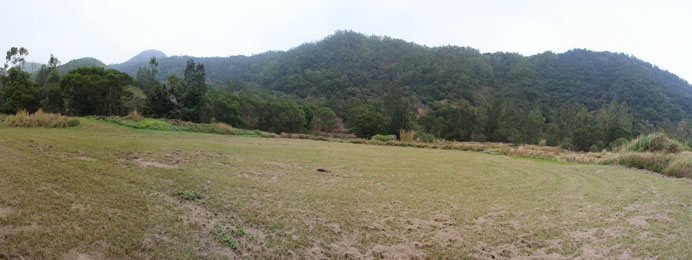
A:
[100, 191]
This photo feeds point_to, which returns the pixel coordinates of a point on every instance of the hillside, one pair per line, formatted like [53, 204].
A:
[78, 63]
[354, 66]
[101, 191]
[130, 66]
[31, 67]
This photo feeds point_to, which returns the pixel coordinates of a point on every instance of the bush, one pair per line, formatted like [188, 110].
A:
[384, 138]
[656, 142]
[680, 167]
[41, 119]
[154, 124]
[656, 162]
[425, 137]
[618, 144]
[368, 125]
[593, 148]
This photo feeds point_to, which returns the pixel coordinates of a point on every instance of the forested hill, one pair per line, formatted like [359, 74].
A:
[352, 66]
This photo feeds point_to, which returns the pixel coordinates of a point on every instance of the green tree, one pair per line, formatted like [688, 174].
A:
[195, 89]
[227, 109]
[94, 91]
[396, 108]
[21, 92]
[49, 80]
[133, 98]
[16, 56]
[282, 116]
[325, 120]
[586, 137]
[369, 124]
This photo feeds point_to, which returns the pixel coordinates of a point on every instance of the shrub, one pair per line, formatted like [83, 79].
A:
[425, 137]
[656, 142]
[656, 162]
[384, 138]
[188, 195]
[593, 148]
[155, 124]
[680, 167]
[41, 119]
[618, 144]
[368, 125]
[566, 143]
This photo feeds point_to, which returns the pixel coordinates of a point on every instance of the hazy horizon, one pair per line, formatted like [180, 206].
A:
[115, 31]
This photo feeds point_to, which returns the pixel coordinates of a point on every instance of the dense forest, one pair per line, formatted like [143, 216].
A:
[378, 85]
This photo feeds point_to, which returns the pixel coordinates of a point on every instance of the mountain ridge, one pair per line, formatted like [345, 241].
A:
[351, 65]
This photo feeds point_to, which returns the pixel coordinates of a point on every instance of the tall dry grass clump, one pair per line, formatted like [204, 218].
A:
[407, 135]
[135, 116]
[222, 128]
[41, 119]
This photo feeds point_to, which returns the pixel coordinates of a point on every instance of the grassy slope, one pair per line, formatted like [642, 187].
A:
[84, 192]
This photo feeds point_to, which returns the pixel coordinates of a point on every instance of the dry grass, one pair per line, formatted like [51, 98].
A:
[367, 202]
[407, 135]
[135, 116]
[41, 119]
[680, 166]
[223, 128]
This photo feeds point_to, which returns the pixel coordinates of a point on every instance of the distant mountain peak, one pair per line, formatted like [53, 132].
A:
[146, 55]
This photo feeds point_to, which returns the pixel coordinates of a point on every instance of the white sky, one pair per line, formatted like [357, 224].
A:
[659, 32]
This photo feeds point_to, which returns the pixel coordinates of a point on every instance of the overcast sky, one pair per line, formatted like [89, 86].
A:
[659, 32]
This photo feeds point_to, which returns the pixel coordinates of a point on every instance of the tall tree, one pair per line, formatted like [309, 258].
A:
[94, 91]
[397, 108]
[195, 89]
[21, 93]
[15, 56]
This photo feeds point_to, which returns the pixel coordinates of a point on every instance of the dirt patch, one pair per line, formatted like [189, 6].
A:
[145, 164]
[400, 251]
[284, 165]
[85, 158]
[334, 228]
[345, 249]
[5, 211]
[588, 252]
[588, 235]
[639, 222]
[315, 252]
[547, 251]
[211, 223]
[77, 207]
[93, 254]
[9, 230]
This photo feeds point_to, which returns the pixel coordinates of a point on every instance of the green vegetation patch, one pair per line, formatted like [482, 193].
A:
[178, 125]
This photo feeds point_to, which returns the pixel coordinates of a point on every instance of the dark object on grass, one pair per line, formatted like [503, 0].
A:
[323, 170]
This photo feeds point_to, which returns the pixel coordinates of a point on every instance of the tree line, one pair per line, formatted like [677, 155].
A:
[464, 116]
